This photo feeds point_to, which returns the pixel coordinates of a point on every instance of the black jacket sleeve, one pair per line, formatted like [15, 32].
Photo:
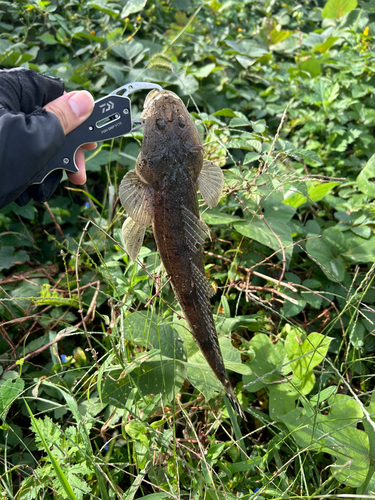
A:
[29, 135]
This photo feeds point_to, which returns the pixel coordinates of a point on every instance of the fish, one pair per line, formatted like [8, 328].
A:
[162, 192]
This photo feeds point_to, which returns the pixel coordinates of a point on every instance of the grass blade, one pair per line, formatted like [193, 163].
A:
[59, 473]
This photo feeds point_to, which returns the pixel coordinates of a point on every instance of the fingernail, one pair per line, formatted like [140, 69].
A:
[81, 103]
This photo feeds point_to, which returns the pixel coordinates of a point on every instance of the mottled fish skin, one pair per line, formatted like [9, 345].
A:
[170, 162]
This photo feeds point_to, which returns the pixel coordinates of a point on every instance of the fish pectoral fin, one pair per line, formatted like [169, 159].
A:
[210, 183]
[137, 198]
[132, 237]
[196, 230]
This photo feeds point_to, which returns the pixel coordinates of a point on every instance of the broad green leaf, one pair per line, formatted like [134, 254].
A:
[250, 158]
[312, 66]
[239, 144]
[326, 45]
[310, 157]
[215, 216]
[9, 257]
[225, 326]
[304, 356]
[225, 112]
[277, 236]
[132, 7]
[143, 329]
[204, 71]
[266, 364]
[9, 392]
[282, 398]
[323, 395]
[274, 207]
[277, 36]
[334, 9]
[202, 377]
[198, 371]
[247, 48]
[48, 39]
[336, 434]
[365, 180]
[355, 249]
[163, 376]
[137, 431]
[333, 267]
[362, 231]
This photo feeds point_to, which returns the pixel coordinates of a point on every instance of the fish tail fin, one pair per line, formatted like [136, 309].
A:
[235, 404]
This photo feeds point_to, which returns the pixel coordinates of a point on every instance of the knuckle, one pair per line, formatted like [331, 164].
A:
[61, 116]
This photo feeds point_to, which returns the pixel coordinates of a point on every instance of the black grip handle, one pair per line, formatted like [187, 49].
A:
[111, 118]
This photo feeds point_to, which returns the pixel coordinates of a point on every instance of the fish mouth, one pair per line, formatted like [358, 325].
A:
[152, 97]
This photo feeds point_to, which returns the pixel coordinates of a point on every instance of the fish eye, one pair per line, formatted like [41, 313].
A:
[181, 121]
[160, 124]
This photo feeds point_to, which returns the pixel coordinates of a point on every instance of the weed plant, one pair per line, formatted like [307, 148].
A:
[103, 392]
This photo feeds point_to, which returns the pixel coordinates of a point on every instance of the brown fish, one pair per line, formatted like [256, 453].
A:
[161, 192]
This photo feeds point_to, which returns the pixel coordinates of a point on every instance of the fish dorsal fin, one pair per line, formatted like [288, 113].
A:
[204, 287]
[196, 230]
[210, 183]
[137, 198]
[132, 237]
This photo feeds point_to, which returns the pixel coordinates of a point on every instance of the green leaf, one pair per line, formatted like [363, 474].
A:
[63, 481]
[154, 376]
[137, 431]
[315, 193]
[312, 66]
[335, 434]
[204, 71]
[132, 7]
[215, 216]
[250, 158]
[202, 377]
[225, 112]
[333, 267]
[355, 249]
[145, 330]
[282, 398]
[323, 395]
[9, 392]
[304, 356]
[48, 39]
[365, 180]
[198, 371]
[323, 47]
[266, 363]
[334, 9]
[311, 156]
[251, 322]
[239, 144]
[9, 257]
[280, 235]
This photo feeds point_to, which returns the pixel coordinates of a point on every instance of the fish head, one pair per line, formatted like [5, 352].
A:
[171, 144]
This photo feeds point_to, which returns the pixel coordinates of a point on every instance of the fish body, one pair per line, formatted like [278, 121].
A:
[162, 192]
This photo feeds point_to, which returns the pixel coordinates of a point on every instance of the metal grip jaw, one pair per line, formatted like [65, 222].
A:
[111, 118]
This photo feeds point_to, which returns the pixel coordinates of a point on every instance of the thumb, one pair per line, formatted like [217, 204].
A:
[71, 109]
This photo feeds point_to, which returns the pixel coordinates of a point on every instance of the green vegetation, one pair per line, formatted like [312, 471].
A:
[103, 392]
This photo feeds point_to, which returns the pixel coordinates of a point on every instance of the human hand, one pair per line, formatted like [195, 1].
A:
[72, 109]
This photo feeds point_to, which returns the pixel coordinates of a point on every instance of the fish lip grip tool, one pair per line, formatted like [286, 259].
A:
[111, 118]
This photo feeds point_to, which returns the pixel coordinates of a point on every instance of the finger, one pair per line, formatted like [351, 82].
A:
[80, 176]
[90, 146]
[71, 109]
